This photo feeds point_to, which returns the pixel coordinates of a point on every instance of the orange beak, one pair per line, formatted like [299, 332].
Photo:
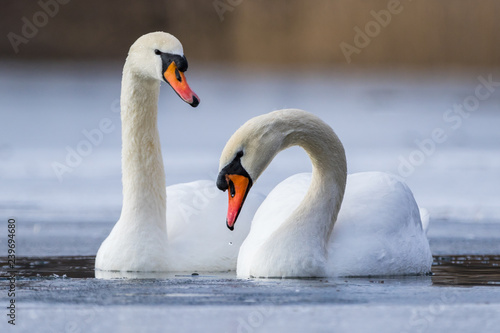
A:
[178, 82]
[238, 189]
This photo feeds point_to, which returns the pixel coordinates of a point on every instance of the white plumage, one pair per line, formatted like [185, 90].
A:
[153, 234]
[308, 226]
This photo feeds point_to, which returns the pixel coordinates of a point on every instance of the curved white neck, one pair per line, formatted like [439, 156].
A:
[298, 244]
[314, 218]
[144, 193]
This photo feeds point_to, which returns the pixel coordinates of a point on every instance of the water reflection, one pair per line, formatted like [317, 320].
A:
[82, 267]
[50, 267]
[458, 270]
[112, 275]
[466, 270]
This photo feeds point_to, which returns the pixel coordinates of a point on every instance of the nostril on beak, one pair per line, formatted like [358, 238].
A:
[178, 75]
[232, 189]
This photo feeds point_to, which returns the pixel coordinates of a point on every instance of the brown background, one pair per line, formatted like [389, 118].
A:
[428, 33]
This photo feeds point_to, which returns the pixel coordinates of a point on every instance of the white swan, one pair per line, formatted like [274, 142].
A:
[377, 232]
[142, 240]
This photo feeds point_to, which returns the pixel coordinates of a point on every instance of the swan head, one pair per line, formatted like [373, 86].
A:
[248, 153]
[159, 56]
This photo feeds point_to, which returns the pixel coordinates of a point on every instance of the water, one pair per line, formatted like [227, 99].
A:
[381, 117]
[453, 270]
[56, 290]
[466, 270]
[60, 294]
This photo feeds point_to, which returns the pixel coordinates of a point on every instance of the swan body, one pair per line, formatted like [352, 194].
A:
[193, 240]
[153, 234]
[300, 230]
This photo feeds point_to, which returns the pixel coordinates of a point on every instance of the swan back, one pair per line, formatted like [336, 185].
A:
[378, 230]
[196, 238]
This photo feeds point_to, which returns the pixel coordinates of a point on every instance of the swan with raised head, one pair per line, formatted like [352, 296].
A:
[153, 234]
[300, 230]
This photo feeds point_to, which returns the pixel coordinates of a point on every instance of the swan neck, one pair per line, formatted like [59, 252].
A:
[144, 193]
[323, 199]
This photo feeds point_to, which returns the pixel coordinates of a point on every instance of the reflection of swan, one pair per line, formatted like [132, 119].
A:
[141, 240]
[109, 275]
[377, 232]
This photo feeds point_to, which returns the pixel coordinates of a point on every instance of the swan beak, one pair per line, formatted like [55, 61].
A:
[238, 186]
[178, 82]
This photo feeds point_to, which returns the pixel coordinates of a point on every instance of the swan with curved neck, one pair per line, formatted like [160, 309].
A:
[293, 233]
[142, 240]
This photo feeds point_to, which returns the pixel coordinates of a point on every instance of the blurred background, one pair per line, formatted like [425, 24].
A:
[422, 33]
[384, 74]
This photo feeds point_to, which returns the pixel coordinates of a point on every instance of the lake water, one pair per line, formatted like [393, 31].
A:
[386, 121]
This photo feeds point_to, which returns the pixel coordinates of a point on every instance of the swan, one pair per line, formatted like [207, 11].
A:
[142, 240]
[300, 229]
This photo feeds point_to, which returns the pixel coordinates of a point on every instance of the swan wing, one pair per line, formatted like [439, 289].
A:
[198, 239]
[378, 230]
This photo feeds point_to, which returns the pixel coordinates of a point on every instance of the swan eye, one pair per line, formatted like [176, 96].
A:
[232, 190]
[239, 154]
[158, 52]
[178, 75]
